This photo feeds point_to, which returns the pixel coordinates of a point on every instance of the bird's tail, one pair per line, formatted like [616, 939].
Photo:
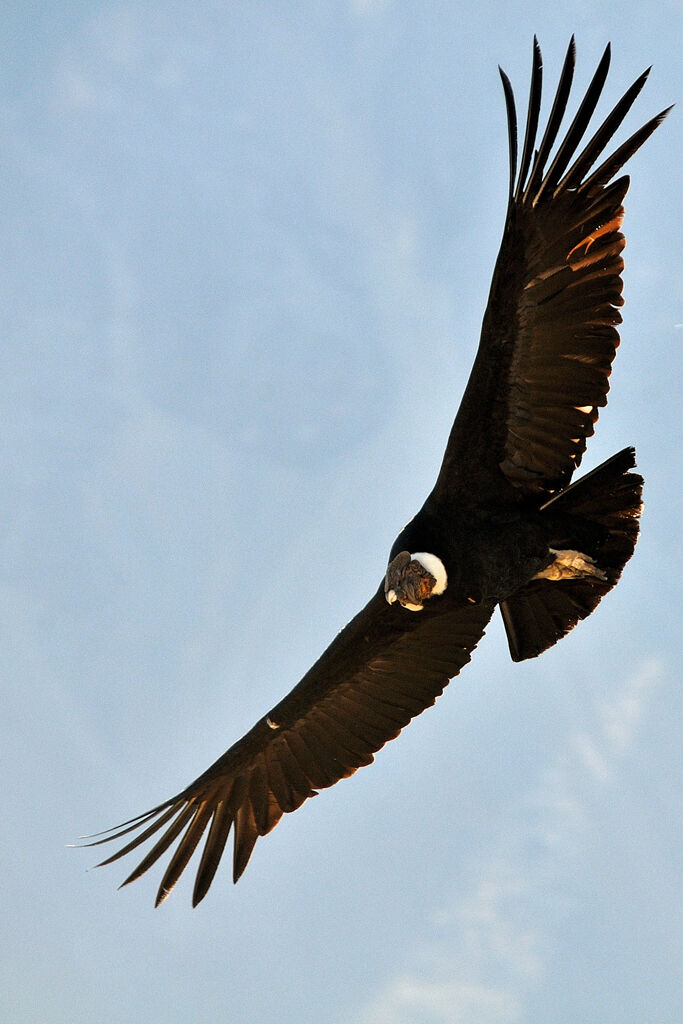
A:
[605, 506]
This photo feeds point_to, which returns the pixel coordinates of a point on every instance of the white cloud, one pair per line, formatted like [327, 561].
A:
[413, 1001]
[487, 925]
[590, 758]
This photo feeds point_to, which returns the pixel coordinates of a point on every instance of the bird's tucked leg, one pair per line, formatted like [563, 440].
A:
[570, 565]
[411, 579]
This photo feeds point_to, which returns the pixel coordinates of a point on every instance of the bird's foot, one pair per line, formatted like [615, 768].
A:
[411, 579]
[570, 565]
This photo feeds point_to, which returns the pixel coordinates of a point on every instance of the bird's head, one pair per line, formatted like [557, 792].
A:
[412, 579]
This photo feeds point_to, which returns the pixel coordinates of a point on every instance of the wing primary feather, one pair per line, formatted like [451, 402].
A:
[154, 827]
[286, 779]
[267, 810]
[577, 128]
[535, 91]
[116, 831]
[554, 121]
[587, 158]
[613, 164]
[512, 129]
[288, 795]
[184, 850]
[246, 835]
[160, 846]
[213, 851]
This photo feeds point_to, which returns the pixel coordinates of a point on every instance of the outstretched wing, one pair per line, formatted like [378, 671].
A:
[550, 329]
[384, 668]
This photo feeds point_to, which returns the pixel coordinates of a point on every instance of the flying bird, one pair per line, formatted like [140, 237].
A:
[503, 526]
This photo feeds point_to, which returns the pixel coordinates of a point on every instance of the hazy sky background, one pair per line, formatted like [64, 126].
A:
[247, 247]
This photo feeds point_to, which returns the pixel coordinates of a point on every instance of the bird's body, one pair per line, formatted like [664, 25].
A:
[487, 553]
[503, 526]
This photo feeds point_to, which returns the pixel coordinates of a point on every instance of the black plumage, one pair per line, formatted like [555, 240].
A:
[503, 521]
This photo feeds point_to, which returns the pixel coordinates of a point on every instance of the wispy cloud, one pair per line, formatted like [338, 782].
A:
[115, 54]
[621, 716]
[411, 1001]
[501, 932]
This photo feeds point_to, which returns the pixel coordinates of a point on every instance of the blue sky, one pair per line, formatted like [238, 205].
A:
[247, 251]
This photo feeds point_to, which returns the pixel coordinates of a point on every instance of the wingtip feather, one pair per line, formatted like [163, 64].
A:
[512, 128]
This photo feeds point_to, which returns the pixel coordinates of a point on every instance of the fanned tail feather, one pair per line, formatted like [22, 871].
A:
[543, 611]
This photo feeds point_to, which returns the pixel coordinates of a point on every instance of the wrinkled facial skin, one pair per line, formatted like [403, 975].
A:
[408, 582]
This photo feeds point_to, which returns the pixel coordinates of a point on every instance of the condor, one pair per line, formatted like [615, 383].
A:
[504, 526]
